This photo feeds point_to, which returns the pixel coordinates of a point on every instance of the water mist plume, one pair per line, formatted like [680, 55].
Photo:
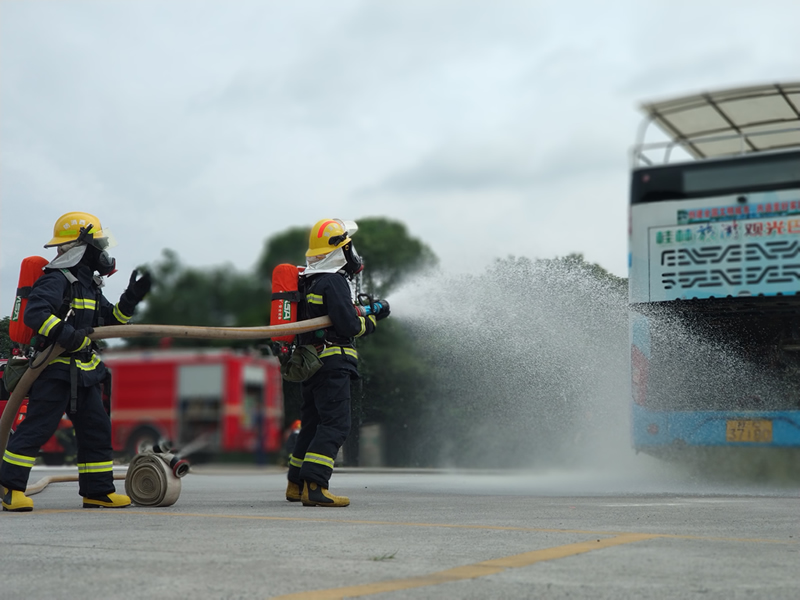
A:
[530, 367]
[530, 361]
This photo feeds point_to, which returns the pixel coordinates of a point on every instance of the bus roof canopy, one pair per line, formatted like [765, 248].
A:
[728, 122]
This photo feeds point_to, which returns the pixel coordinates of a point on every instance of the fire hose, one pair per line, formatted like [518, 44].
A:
[153, 477]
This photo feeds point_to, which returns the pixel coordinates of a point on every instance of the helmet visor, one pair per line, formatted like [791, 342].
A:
[104, 239]
[349, 226]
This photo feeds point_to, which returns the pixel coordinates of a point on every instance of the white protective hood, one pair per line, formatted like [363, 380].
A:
[68, 259]
[332, 263]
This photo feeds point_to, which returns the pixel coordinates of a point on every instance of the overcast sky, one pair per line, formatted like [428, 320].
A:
[490, 128]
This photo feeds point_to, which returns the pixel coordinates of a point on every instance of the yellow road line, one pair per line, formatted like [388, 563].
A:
[481, 569]
[676, 536]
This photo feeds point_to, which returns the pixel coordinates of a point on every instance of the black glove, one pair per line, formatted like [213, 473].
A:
[384, 309]
[138, 288]
[77, 340]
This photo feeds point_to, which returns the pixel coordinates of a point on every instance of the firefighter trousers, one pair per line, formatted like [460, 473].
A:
[47, 401]
[325, 418]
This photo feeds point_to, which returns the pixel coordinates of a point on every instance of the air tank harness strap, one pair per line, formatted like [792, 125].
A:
[292, 296]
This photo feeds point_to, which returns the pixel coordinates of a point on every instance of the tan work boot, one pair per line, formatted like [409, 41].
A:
[316, 495]
[294, 492]
[16, 501]
[111, 501]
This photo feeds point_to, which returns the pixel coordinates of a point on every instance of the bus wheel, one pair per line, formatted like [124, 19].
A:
[140, 438]
[53, 459]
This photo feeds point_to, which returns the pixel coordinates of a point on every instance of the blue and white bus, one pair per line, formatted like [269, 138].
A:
[714, 272]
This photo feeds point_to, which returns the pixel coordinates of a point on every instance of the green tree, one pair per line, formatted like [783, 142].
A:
[5, 340]
[390, 254]
[398, 382]
[285, 247]
[290, 247]
[576, 262]
[216, 297]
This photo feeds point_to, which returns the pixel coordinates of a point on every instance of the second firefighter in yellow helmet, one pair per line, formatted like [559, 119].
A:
[331, 261]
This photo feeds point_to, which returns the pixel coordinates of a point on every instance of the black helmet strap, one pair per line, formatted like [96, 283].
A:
[337, 239]
[84, 235]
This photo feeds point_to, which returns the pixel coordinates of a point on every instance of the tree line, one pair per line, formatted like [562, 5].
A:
[428, 370]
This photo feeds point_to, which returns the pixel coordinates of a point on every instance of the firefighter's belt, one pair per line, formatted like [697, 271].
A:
[302, 365]
[14, 370]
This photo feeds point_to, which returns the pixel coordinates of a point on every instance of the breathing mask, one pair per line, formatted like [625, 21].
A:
[354, 263]
[97, 250]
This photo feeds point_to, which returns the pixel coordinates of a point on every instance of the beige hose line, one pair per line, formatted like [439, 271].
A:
[37, 487]
[126, 331]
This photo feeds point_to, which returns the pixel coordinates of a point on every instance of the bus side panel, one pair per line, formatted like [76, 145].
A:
[709, 428]
[649, 427]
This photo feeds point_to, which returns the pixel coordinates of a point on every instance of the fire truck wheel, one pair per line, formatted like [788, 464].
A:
[53, 459]
[143, 436]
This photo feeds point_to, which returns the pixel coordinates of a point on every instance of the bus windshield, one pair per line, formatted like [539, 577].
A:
[729, 176]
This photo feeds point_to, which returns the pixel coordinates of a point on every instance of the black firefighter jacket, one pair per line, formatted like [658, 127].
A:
[58, 307]
[329, 294]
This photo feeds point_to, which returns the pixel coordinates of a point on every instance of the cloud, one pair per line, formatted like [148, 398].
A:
[208, 126]
[508, 164]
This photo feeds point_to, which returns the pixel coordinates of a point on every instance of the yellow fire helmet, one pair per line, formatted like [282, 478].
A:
[68, 229]
[329, 234]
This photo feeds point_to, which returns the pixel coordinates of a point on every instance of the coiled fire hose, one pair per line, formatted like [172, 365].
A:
[154, 478]
[153, 484]
[154, 474]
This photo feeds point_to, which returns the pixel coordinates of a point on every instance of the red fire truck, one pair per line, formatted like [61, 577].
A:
[231, 401]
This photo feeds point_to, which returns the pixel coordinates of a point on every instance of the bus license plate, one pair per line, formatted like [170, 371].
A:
[749, 430]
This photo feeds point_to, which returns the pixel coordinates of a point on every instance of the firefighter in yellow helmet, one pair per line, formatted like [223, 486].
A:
[64, 305]
[332, 261]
